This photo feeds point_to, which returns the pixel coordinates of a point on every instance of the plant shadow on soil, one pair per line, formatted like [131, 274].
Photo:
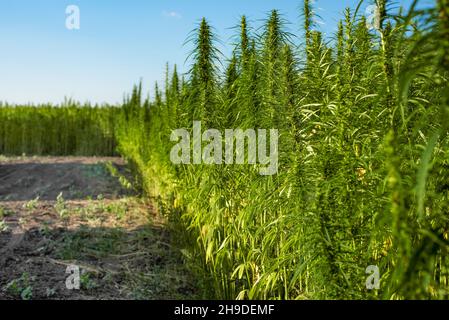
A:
[113, 263]
[82, 218]
[28, 179]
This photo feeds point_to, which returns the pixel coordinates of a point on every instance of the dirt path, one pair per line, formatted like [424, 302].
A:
[64, 217]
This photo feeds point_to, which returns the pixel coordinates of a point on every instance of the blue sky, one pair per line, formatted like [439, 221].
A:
[119, 42]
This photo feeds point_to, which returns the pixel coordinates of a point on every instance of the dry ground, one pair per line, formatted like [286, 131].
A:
[56, 213]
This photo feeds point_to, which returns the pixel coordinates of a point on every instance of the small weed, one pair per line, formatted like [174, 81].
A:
[86, 282]
[119, 209]
[61, 207]
[125, 183]
[50, 292]
[45, 229]
[21, 287]
[3, 226]
[4, 213]
[31, 205]
[115, 173]
[27, 293]
[22, 221]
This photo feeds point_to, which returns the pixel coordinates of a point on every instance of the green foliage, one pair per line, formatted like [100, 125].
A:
[21, 287]
[364, 170]
[3, 226]
[71, 129]
[362, 156]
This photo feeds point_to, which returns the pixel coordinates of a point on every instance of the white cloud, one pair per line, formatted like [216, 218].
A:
[172, 14]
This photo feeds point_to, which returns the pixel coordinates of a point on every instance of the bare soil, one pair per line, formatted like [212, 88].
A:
[57, 214]
[24, 179]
